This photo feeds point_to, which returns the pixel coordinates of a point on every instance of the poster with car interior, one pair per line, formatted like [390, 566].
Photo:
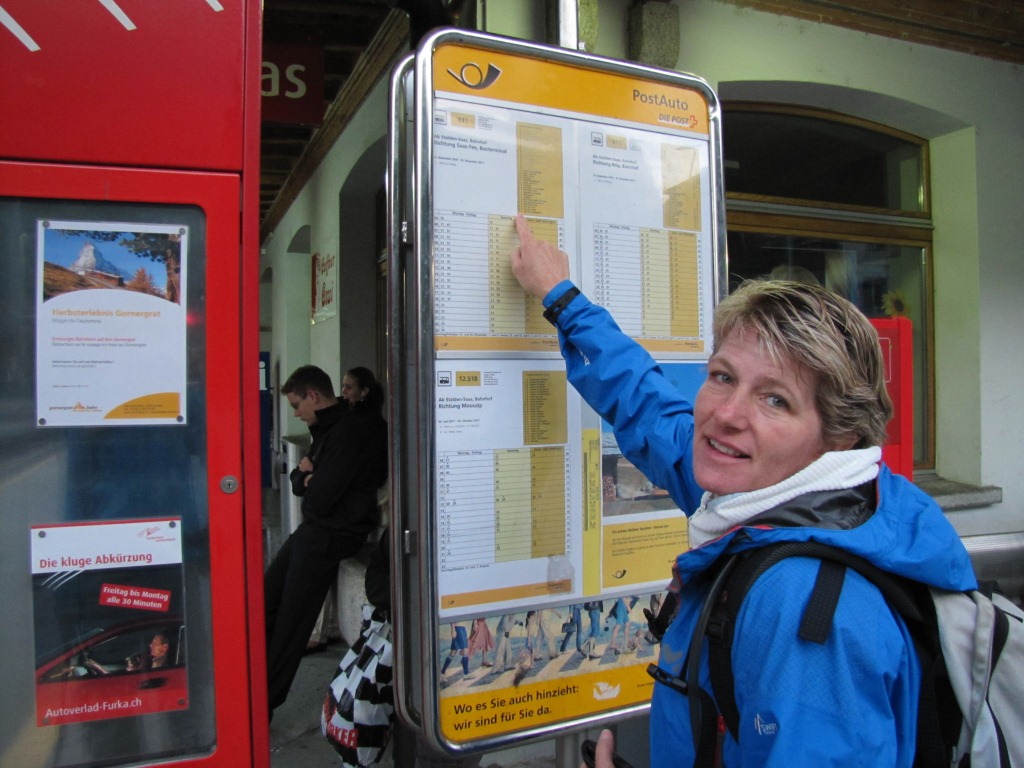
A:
[110, 323]
[108, 616]
[535, 522]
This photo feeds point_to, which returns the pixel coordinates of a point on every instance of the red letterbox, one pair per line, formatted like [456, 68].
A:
[894, 334]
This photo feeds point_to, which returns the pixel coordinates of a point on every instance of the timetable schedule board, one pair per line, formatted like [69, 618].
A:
[505, 483]
[618, 175]
[617, 171]
[544, 544]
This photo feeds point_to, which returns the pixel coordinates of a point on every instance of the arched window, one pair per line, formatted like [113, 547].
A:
[814, 195]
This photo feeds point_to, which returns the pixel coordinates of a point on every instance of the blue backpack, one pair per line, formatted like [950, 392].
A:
[970, 645]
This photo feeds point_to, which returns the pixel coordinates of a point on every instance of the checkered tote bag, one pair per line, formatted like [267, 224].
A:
[359, 705]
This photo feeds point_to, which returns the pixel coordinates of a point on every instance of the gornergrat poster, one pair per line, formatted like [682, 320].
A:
[110, 323]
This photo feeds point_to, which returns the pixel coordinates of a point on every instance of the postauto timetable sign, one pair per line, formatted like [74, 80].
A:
[544, 543]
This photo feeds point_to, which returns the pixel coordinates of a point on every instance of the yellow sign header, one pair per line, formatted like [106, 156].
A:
[474, 71]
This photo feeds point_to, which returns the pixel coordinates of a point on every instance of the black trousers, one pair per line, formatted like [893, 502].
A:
[295, 586]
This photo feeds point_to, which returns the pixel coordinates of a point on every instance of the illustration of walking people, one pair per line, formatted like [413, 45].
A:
[480, 640]
[619, 618]
[459, 646]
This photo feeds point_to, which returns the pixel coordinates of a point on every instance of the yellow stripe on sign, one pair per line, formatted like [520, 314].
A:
[474, 71]
[502, 344]
[161, 405]
[519, 592]
[592, 487]
[504, 708]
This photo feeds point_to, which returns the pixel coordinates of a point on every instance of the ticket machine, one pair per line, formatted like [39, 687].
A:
[130, 542]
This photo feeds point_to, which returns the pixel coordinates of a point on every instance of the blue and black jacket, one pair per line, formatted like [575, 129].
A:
[849, 702]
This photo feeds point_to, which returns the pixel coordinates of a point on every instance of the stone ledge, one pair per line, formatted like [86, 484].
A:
[952, 495]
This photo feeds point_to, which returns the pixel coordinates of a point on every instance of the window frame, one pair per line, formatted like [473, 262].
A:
[761, 214]
[924, 214]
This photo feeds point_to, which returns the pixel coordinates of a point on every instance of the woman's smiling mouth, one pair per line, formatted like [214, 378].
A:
[726, 449]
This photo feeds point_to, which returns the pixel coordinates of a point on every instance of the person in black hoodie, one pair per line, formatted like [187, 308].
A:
[338, 481]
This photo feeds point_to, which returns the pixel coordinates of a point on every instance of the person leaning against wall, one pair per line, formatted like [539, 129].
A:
[338, 480]
[781, 444]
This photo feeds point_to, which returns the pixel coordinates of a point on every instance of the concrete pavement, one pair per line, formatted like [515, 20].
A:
[296, 741]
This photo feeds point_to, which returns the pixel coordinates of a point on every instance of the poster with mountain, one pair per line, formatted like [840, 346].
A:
[110, 323]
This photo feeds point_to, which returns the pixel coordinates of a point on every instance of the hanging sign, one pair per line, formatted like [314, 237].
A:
[325, 286]
[292, 84]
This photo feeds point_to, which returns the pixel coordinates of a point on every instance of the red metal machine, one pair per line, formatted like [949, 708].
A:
[894, 333]
[129, 467]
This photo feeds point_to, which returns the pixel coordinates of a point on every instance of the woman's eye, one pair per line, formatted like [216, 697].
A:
[776, 402]
[720, 376]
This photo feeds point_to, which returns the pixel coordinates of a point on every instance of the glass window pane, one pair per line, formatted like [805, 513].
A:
[82, 622]
[880, 279]
[801, 157]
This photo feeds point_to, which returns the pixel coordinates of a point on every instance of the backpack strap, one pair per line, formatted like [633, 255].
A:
[658, 625]
[815, 624]
[703, 713]
[937, 726]
[1000, 634]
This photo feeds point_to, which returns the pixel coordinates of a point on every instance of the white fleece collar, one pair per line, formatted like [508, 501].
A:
[834, 471]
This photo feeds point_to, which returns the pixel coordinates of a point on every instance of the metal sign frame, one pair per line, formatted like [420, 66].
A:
[486, 85]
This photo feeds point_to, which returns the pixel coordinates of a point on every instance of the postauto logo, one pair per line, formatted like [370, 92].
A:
[473, 76]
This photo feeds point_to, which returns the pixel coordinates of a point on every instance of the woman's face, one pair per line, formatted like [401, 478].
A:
[350, 391]
[755, 422]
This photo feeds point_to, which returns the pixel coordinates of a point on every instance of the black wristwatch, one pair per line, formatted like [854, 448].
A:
[551, 313]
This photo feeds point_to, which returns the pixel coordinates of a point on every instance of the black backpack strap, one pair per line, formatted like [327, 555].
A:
[703, 713]
[748, 566]
[658, 625]
[816, 622]
[937, 711]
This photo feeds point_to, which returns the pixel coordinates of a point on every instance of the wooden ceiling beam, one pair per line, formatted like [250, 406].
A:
[989, 28]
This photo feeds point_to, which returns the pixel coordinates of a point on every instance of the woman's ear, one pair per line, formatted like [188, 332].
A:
[844, 442]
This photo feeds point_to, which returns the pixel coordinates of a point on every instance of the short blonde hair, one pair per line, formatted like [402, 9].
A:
[827, 335]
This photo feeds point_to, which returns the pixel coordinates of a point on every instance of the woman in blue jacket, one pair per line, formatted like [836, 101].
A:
[782, 443]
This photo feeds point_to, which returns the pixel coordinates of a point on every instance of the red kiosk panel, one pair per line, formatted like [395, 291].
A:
[128, 83]
[129, 146]
[123, 525]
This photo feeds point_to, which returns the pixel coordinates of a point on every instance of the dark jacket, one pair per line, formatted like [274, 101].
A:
[350, 462]
[378, 575]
